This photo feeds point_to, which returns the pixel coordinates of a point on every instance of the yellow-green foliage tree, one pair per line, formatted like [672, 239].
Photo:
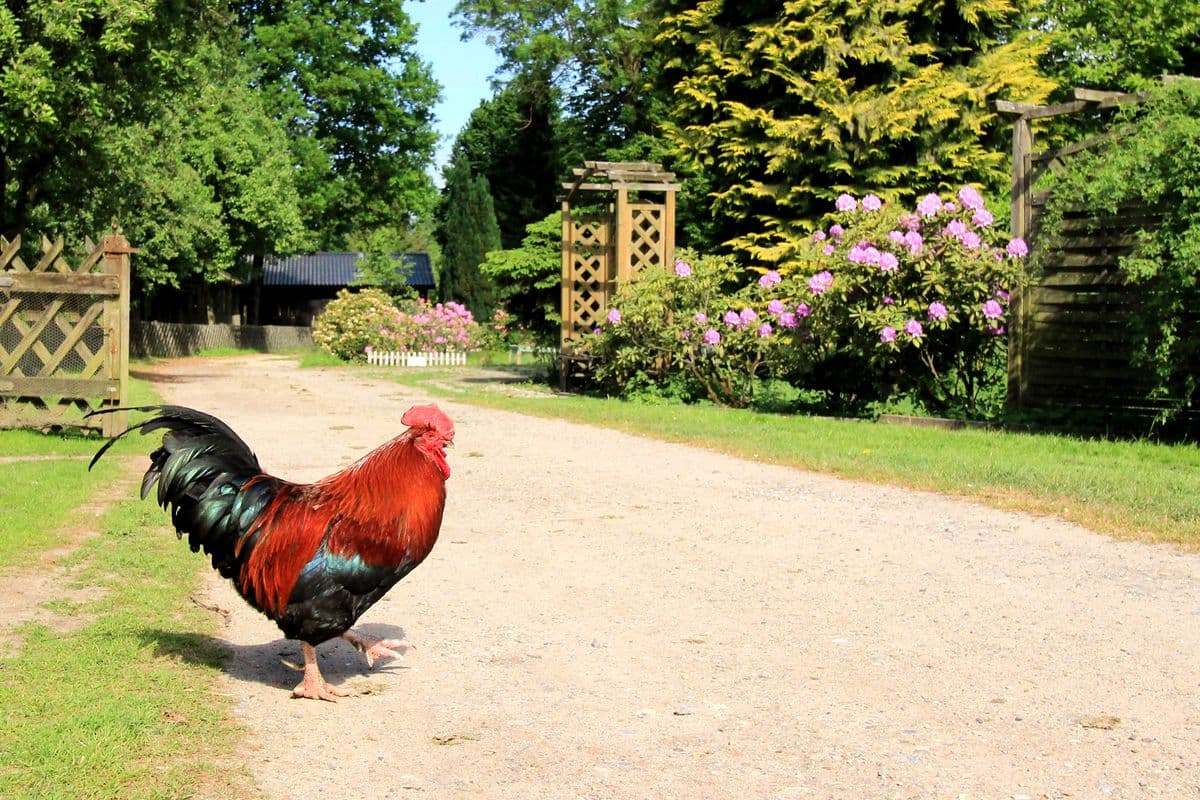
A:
[781, 107]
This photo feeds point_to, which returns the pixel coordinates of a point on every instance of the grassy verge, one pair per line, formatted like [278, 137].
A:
[1138, 490]
[124, 706]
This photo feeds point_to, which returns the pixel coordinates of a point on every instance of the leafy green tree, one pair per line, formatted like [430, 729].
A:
[595, 57]
[357, 103]
[468, 232]
[782, 107]
[69, 72]
[1121, 44]
[529, 278]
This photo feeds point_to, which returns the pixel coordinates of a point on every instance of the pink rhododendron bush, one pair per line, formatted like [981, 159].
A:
[884, 303]
[355, 323]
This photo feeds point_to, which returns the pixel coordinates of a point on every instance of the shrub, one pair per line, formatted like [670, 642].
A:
[354, 323]
[914, 302]
[347, 324]
[690, 318]
[883, 304]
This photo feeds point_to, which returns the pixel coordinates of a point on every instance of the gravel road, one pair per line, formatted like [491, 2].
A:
[607, 616]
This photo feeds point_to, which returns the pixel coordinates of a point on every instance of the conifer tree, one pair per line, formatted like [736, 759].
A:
[784, 106]
[468, 232]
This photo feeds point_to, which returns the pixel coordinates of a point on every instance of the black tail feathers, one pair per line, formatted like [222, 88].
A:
[202, 468]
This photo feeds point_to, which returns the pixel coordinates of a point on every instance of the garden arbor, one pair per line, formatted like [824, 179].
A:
[617, 218]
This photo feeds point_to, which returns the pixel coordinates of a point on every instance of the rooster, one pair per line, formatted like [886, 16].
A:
[311, 557]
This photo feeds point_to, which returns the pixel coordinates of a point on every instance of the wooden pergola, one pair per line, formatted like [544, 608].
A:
[611, 237]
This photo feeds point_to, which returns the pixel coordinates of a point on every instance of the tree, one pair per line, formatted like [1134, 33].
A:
[468, 233]
[69, 72]
[782, 107]
[357, 103]
[510, 140]
[595, 57]
[1121, 44]
[529, 278]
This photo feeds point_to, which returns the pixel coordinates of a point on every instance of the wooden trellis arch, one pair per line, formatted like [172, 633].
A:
[608, 238]
[64, 334]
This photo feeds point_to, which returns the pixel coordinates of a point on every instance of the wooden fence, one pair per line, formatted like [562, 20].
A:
[1070, 345]
[64, 334]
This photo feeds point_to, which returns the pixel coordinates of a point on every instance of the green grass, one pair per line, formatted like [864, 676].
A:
[47, 479]
[125, 706]
[1139, 490]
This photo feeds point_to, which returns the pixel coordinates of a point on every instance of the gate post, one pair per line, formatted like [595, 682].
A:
[116, 262]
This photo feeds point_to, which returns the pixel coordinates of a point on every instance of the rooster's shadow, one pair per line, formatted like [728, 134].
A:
[275, 663]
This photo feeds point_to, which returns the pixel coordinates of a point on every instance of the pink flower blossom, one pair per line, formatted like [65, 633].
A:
[732, 319]
[769, 278]
[888, 300]
[765, 329]
[712, 337]
[828, 249]
[910, 221]
[950, 206]
[896, 238]
[836, 230]
[820, 282]
[887, 335]
[871, 202]
[846, 202]
[983, 218]
[971, 240]
[683, 269]
[955, 229]
[915, 242]
[995, 330]
[937, 311]
[888, 262]
[993, 310]
[1017, 248]
[747, 316]
[929, 205]
[819, 236]
[970, 197]
[368, 349]
[775, 307]
[1002, 295]
[803, 310]
[914, 329]
[788, 320]
[701, 318]
[614, 316]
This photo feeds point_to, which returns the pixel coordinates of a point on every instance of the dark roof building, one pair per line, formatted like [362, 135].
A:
[337, 269]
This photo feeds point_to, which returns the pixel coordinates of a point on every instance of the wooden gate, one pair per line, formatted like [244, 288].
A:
[601, 249]
[64, 335]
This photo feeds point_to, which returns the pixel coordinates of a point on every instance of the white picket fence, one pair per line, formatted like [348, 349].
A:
[451, 358]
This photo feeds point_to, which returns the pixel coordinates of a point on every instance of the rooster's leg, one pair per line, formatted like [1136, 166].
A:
[373, 648]
[314, 686]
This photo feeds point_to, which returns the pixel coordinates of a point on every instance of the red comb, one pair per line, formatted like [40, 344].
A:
[430, 417]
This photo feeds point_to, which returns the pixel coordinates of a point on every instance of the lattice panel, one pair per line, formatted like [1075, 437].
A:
[59, 333]
[590, 279]
[647, 241]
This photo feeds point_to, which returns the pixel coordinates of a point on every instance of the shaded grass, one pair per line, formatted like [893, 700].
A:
[1130, 489]
[123, 707]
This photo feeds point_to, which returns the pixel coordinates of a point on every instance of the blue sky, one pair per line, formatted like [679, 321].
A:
[462, 68]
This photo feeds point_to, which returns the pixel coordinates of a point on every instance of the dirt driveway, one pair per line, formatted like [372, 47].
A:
[607, 616]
